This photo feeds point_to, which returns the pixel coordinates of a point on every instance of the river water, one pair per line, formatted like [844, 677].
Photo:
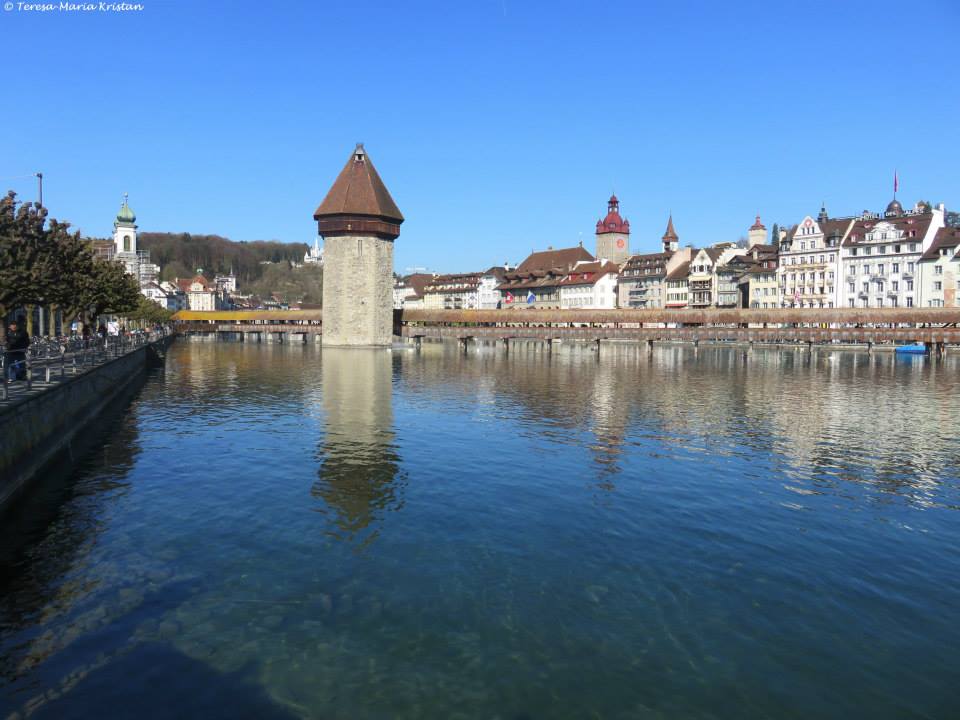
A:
[275, 532]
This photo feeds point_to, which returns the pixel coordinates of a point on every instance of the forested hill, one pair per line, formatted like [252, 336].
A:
[180, 254]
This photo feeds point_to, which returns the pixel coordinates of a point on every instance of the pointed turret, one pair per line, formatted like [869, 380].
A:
[670, 237]
[358, 202]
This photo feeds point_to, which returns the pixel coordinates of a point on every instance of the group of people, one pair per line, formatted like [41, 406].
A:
[18, 343]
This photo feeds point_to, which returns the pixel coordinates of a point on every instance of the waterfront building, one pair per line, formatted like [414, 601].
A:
[459, 291]
[642, 277]
[678, 285]
[488, 297]
[809, 261]
[359, 222]
[711, 282]
[227, 284]
[613, 234]
[200, 294]
[757, 277]
[536, 281]
[408, 290]
[940, 270]
[176, 298]
[314, 256]
[153, 292]
[590, 285]
[881, 256]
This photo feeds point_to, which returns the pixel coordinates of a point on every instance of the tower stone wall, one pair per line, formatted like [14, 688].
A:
[357, 290]
[614, 247]
[359, 222]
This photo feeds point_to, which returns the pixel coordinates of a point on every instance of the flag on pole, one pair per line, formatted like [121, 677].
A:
[531, 298]
[509, 298]
[896, 182]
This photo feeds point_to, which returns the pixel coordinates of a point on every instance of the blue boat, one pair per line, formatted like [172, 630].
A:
[914, 349]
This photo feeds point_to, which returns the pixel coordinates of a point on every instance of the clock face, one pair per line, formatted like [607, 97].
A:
[620, 243]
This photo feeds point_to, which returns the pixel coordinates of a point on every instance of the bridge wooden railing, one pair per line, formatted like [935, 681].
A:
[870, 325]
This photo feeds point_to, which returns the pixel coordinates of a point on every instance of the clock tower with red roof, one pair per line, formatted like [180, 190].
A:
[613, 234]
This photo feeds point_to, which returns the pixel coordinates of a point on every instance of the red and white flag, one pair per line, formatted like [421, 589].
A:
[509, 298]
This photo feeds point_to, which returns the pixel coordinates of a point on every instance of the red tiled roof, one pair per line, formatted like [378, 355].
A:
[588, 273]
[680, 271]
[946, 237]
[563, 259]
[358, 190]
[918, 224]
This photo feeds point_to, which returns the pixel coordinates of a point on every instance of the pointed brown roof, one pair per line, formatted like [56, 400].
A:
[358, 202]
[670, 234]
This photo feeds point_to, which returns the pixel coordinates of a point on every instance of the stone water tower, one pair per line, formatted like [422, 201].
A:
[359, 222]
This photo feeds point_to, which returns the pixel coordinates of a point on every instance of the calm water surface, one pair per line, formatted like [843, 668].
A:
[273, 532]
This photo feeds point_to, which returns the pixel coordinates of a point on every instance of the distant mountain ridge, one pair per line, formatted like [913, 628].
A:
[180, 254]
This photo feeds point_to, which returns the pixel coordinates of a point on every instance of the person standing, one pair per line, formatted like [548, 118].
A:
[16, 356]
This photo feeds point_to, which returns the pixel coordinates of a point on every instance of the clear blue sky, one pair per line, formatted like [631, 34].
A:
[498, 126]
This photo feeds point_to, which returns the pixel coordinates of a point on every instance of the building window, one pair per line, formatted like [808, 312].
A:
[909, 302]
[895, 285]
[126, 243]
[909, 285]
[938, 269]
[938, 285]
[853, 252]
[896, 268]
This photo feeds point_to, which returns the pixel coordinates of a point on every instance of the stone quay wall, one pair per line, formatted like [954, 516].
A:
[357, 291]
[45, 427]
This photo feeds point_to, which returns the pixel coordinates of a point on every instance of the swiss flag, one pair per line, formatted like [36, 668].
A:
[509, 298]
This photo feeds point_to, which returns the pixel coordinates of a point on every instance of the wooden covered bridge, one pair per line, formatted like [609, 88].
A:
[934, 327]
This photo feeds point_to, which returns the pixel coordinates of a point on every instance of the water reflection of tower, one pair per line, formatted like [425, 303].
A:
[359, 463]
[610, 415]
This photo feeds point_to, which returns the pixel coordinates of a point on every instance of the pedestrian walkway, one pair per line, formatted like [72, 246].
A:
[50, 363]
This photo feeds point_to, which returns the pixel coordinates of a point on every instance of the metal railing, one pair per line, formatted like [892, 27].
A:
[49, 359]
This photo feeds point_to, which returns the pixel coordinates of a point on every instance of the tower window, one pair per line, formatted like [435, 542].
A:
[126, 243]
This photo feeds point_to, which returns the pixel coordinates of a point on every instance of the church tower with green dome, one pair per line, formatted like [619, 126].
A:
[125, 231]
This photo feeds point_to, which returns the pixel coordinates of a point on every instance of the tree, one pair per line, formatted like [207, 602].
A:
[111, 290]
[775, 235]
[150, 312]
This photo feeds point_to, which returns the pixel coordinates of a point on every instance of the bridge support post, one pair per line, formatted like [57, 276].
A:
[464, 342]
[869, 346]
[418, 342]
[597, 343]
[649, 347]
[810, 346]
[506, 345]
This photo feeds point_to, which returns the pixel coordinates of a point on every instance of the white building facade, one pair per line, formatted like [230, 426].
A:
[881, 256]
